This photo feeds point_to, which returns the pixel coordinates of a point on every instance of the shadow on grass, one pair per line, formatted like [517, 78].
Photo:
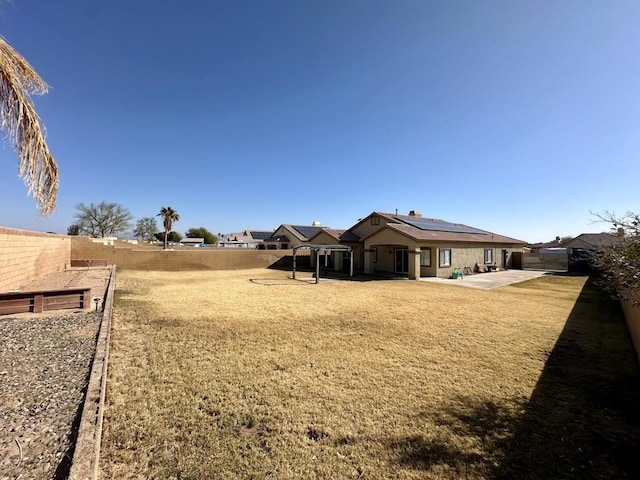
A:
[286, 262]
[271, 282]
[582, 420]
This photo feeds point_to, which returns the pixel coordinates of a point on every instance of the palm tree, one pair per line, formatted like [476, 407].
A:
[37, 167]
[169, 215]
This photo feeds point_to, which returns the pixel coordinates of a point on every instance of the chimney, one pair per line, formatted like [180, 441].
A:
[315, 223]
[415, 213]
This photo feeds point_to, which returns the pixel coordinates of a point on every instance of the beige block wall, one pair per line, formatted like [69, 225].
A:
[26, 256]
[545, 261]
[632, 317]
[184, 258]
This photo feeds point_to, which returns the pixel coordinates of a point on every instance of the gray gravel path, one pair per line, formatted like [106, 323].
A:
[44, 365]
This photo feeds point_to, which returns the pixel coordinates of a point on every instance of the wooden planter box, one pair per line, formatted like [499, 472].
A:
[44, 300]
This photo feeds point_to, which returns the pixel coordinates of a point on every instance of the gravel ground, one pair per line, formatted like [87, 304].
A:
[44, 367]
[45, 362]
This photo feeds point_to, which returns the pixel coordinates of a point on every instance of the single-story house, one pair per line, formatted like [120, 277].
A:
[246, 239]
[192, 241]
[424, 247]
[289, 236]
[593, 241]
[536, 247]
[583, 249]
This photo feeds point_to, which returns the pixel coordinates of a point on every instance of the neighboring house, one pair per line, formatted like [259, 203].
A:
[593, 241]
[246, 239]
[289, 236]
[536, 247]
[583, 248]
[192, 242]
[424, 247]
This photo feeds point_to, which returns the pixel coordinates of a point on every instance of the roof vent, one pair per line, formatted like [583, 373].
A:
[415, 213]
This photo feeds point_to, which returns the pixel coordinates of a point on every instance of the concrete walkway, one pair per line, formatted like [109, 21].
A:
[488, 281]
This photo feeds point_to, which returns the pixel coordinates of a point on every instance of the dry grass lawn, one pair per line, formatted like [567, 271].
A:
[249, 374]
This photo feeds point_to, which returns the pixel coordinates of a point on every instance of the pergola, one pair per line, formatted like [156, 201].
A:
[323, 250]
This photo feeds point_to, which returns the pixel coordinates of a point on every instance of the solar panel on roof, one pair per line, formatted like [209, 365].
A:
[261, 235]
[305, 231]
[438, 225]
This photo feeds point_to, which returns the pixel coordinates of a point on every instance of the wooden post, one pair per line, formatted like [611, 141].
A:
[38, 303]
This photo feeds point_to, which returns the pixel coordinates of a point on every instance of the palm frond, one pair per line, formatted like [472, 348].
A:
[18, 117]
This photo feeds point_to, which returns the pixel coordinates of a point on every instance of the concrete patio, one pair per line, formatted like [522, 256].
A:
[489, 281]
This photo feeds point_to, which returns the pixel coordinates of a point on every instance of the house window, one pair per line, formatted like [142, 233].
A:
[445, 257]
[488, 255]
[375, 220]
[425, 257]
[284, 246]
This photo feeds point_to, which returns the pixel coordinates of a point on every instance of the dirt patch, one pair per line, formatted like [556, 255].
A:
[97, 278]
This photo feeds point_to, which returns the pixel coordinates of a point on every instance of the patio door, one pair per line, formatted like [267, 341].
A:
[401, 260]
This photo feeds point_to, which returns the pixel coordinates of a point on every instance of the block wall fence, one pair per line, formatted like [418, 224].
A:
[26, 256]
[631, 310]
[143, 257]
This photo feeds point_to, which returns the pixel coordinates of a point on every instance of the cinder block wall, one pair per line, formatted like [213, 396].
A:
[124, 255]
[26, 256]
[545, 261]
[631, 312]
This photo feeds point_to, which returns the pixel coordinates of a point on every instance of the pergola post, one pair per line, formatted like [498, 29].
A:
[294, 262]
[323, 248]
[351, 262]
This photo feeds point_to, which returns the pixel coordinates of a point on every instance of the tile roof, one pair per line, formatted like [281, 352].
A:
[349, 236]
[438, 230]
[339, 235]
[332, 232]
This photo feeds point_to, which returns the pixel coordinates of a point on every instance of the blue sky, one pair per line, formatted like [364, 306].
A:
[517, 117]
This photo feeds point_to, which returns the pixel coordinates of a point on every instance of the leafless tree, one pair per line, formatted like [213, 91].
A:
[102, 220]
